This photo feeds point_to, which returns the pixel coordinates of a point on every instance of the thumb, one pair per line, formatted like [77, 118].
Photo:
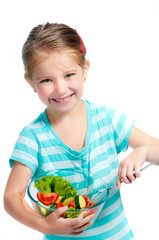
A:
[60, 211]
[118, 182]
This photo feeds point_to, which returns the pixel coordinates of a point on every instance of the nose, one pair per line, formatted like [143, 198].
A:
[61, 86]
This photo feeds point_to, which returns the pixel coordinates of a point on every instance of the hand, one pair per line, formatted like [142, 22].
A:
[129, 168]
[56, 225]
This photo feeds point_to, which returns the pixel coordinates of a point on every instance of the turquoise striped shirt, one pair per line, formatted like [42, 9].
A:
[108, 131]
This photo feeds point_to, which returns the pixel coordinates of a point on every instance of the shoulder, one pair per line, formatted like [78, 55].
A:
[107, 113]
[34, 127]
[100, 110]
[95, 107]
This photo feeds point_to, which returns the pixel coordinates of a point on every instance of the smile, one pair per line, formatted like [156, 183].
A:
[63, 100]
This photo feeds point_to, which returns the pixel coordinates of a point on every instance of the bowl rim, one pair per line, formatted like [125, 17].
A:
[69, 210]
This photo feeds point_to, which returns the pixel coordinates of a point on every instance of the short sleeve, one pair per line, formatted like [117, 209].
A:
[121, 127]
[26, 150]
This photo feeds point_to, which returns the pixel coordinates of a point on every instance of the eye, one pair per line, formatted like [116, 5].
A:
[45, 80]
[69, 75]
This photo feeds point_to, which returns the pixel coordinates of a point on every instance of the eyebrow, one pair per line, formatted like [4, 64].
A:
[42, 77]
[73, 70]
[49, 77]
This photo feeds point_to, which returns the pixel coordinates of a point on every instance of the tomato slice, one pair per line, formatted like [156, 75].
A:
[72, 204]
[47, 198]
[87, 201]
[60, 204]
[91, 204]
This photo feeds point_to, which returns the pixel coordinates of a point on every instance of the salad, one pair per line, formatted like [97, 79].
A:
[55, 192]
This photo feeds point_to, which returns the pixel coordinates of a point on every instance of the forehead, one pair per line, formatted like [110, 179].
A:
[56, 61]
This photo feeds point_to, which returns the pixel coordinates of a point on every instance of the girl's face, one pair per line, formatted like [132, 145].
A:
[59, 81]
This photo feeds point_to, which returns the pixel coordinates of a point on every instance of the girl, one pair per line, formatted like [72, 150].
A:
[72, 133]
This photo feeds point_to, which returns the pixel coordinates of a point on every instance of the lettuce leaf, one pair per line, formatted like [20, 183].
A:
[55, 184]
[71, 214]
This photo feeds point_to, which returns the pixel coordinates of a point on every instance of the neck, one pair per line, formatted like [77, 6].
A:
[56, 117]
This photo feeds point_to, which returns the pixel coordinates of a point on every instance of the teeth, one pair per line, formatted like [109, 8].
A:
[62, 100]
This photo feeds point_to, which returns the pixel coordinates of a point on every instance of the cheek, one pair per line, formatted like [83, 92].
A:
[43, 92]
[78, 85]
[81, 87]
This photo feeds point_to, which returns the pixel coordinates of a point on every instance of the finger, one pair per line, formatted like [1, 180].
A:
[126, 173]
[75, 233]
[119, 179]
[137, 170]
[75, 222]
[82, 219]
[123, 175]
[130, 175]
[84, 214]
[60, 211]
[82, 228]
[85, 217]
[118, 182]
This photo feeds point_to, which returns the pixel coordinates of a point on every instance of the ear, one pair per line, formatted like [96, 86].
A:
[86, 68]
[31, 83]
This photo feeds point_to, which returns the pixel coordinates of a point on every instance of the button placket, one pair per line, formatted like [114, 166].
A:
[85, 170]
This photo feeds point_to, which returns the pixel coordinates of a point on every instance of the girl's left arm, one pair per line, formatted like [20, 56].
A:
[146, 148]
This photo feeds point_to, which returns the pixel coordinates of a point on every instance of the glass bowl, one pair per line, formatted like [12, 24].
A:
[86, 183]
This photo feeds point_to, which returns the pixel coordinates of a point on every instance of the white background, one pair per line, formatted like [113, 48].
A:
[122, 39]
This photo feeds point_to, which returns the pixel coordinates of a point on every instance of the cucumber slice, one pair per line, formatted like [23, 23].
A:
[67, 199]
[59, 199]
[43, 210]
[53, 205]
[80, 202]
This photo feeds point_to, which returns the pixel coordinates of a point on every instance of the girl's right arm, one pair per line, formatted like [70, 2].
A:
[18, 208]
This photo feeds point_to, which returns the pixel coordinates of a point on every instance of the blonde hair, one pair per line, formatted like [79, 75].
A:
[51, 37]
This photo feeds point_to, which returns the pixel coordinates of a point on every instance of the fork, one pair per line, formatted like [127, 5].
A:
[105, 189]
